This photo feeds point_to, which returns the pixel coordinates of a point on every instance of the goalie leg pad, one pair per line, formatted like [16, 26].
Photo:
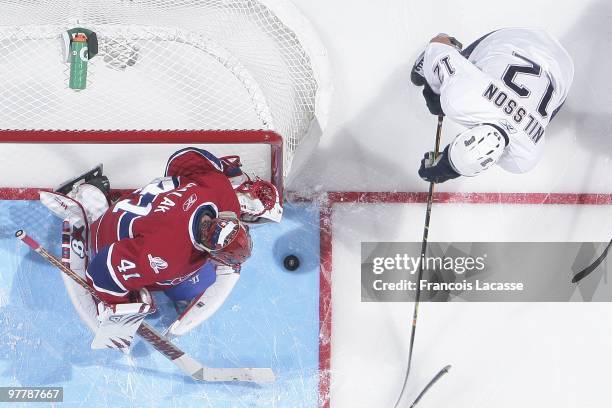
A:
[207, 303]
[75, 251]
[83, 199]
[91, 189]
[93, 200]
[66, 208]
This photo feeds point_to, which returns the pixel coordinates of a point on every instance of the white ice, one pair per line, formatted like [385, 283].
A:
[504, 354]
[379, 127]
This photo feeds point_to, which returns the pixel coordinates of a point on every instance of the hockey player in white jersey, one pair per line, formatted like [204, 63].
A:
[505, 88]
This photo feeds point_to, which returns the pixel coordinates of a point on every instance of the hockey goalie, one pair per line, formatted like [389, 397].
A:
[185, 234]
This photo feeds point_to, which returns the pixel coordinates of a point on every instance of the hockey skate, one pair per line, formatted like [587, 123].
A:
[93, 177]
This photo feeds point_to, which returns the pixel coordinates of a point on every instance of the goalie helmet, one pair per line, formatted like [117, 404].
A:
[477, 149]
[259, 201]
[226, 239]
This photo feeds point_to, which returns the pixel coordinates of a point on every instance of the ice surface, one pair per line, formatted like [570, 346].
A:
[270, 320]
[379, 126]
[523, 355]
[503, 354]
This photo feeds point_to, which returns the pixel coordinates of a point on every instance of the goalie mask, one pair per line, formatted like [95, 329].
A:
[226, 239]
[259, 201]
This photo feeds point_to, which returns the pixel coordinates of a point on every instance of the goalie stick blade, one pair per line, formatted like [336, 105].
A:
[256, 375]
[200, 372]
[586, 271]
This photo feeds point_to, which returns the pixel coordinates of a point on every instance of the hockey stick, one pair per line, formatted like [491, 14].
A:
[160, 343]
[418, 288]
[586, 271]
[430, 384]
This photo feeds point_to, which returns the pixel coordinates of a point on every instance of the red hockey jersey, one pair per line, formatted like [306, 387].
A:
[148, 239]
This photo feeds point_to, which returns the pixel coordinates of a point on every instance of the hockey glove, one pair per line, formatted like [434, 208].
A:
[456, 43]
[416, 75]
[438, 170]
[432, 100]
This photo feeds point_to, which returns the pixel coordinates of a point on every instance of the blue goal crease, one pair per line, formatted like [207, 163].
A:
[270, 320]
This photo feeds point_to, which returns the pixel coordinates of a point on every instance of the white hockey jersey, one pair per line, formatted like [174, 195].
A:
[514, 78]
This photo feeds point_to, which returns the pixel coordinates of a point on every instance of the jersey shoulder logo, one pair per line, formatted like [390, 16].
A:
[190, 202]
[157, 263]
[506, 125]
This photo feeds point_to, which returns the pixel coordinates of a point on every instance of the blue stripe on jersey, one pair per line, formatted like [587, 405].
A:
[147, 198]
[204, 153]
[125, 224]
[100, 274]
[127, 218]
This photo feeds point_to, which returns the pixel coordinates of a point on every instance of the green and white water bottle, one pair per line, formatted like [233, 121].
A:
[78, 62]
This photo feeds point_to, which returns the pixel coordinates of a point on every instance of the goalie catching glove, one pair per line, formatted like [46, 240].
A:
[260, 200]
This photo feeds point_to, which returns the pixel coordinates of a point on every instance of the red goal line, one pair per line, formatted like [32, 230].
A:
[470, 198]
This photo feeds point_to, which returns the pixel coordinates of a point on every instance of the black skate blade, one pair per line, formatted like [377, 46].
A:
[67, 186]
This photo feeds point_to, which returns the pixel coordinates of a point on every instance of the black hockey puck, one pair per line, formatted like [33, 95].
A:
[291, 262]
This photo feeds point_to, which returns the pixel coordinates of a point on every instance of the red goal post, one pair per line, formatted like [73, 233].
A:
[240, 142]
[208, 68]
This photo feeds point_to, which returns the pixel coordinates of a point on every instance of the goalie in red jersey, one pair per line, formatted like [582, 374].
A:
[181, 234]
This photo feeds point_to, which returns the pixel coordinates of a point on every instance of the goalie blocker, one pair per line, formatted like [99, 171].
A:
[215, 272]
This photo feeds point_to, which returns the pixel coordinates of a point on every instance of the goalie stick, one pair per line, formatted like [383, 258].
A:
[418, 288]
[586, 271]
[160, 343]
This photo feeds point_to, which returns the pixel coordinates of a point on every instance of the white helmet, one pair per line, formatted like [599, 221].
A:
[477, 149]
[259, 201]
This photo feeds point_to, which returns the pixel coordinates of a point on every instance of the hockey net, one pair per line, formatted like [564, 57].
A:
[206, 66]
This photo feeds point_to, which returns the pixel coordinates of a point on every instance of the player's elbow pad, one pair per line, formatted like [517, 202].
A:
[477, 149]
[191, 160]
[102, 277]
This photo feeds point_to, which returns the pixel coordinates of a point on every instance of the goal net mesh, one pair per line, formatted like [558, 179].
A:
[162, 64]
